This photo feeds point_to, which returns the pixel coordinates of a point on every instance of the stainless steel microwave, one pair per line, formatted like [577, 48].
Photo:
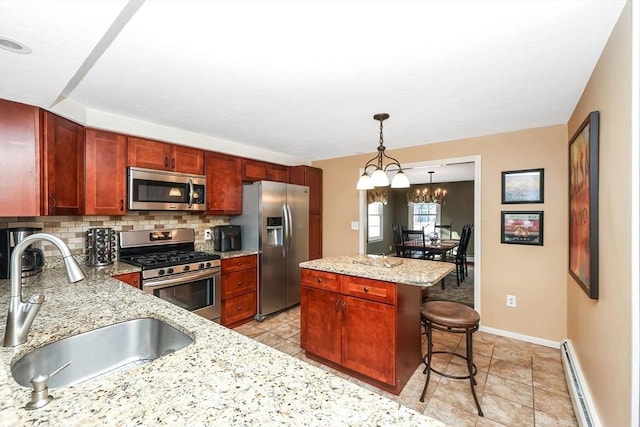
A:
[156, 190]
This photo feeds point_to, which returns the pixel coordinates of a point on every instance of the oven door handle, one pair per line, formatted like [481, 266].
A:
[178, 279]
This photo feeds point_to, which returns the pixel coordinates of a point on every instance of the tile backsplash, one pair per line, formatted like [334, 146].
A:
[72, 229]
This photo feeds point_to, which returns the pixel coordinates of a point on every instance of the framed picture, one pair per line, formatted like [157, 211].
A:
[521, 227]
[583, 205]
[523, 186]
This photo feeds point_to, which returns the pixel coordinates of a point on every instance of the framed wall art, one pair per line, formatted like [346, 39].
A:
[583, 205]
[522, 227]
[523, 186]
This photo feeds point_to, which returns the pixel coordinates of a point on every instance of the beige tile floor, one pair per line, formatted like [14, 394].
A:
[519, 384]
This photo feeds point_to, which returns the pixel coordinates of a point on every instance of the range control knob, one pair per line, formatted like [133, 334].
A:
[169, 270]
[201, 265]
[160, 272]
[186, 268]
[208, 264]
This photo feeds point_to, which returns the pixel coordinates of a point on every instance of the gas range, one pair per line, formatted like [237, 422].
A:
[163, 253]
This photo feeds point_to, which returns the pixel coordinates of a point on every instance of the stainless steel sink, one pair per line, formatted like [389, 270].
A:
[100, 352]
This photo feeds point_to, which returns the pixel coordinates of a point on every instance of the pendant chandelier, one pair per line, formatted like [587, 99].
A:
[427, 195]
[379, 177]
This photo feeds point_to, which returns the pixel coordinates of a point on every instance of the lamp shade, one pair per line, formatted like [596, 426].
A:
[365, 183]
[400, 180]
[379, 178]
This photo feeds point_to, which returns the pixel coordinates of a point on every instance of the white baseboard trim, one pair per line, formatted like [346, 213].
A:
[578, 389]
[521, 337]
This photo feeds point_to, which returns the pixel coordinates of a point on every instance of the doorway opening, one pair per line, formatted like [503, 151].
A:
[416, 169]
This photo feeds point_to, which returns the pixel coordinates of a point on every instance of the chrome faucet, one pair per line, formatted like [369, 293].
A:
[21, 314]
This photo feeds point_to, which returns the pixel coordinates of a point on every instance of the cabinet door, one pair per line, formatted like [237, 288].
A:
[20, 159]
[105, 173]
[320, 323]
[224, 184]
[63, 166]
[132, 279]
[315, 236]
[144, 153]
[187, 160]
[311, 177]
[255, 170]
[369, 338]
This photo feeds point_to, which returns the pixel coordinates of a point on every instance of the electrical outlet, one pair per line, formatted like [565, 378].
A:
[355, 225]
[511, 300]
[207, 234]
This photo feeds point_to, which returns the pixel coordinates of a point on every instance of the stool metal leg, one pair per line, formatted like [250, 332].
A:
[428, 361]
[472, 379]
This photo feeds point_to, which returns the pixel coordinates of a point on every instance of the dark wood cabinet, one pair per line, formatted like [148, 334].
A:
[132, 279]
[224, 184]
[105, 173]
[315, 236]
[146, 153]
[239, 290]
[367, 328]
[255, 170]
[311, 177]
[20, 159]
[62, 166]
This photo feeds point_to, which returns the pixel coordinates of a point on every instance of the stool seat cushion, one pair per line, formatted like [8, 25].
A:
[450, 314]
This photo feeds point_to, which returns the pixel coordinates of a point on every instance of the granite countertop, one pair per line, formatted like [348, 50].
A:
[407, 271]
[222, 378]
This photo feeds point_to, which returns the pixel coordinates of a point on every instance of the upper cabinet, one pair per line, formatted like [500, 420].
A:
[105, 173]
[62, 166]
[145, 153]
[20, 159]
[224, 184]
[255, 170]
[311, 177]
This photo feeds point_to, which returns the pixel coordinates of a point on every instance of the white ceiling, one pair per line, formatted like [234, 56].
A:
[304, 78]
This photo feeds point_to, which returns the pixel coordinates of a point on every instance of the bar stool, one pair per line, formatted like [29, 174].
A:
[455, 318]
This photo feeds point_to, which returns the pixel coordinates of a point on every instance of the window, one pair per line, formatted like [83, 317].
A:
[424, 216]
[374, 222]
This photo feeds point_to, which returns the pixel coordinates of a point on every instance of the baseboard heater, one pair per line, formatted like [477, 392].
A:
[582, 403]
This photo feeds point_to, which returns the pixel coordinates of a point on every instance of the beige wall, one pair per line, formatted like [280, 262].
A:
[535, 274]
[600, 330]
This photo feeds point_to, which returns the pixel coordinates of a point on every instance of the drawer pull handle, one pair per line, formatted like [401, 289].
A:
[337, 305]
[239, 308]
[319, 279]
[239, 263]
[366, 289]
[240, 283]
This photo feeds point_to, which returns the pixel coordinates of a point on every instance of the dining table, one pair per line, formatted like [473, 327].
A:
[427, 249]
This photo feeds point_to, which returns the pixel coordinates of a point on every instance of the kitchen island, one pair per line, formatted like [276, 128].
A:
[360, 314]
[222, 378]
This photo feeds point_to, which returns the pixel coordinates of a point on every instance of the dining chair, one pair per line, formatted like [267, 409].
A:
[414, 243]
[397, 238]
[459, 257]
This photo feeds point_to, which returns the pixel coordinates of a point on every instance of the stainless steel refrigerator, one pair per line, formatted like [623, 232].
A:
[275, 223]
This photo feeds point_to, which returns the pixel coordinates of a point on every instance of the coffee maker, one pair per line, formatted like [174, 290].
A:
[32, 258]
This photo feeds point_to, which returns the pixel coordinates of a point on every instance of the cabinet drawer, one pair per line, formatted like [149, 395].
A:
[372, 290]
[238, 263]
[320, 280]
[238, 283]
[238, 308]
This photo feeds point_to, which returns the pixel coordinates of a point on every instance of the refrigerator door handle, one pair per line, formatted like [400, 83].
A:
[285, 231]
[287, 228]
